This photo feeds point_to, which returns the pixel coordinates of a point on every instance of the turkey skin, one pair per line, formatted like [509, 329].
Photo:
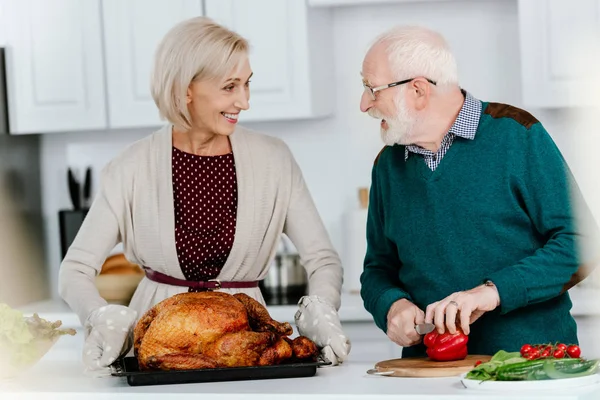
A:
[215, 330]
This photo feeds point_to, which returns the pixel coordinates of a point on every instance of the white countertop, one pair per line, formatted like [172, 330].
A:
[59, 376]
[585, 302]
[352, 310]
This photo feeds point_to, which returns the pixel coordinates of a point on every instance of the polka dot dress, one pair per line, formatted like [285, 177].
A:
[205, 195]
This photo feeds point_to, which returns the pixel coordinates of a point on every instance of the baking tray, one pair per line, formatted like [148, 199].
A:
[129, 368]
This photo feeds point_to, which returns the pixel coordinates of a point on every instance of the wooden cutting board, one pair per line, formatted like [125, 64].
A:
[421, 367]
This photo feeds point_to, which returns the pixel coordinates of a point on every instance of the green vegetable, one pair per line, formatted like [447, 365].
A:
[536, 369]
[506, 367]
[13, 327]
[15, 337]
[523, 371]
[576, 370]
[23, 340]
[487, 371]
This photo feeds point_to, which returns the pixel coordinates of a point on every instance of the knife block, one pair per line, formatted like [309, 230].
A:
[69, 222]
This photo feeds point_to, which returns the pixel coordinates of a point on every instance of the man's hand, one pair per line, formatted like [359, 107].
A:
[466, 307]
[401, 321]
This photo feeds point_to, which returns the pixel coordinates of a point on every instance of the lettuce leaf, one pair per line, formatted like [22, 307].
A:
[24, 340]
[13, 328]
[487, 371]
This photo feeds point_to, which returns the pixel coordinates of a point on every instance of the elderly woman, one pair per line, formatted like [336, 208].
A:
[200, 200]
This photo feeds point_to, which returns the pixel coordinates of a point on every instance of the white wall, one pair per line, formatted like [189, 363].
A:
[336, 153]
[2, 26]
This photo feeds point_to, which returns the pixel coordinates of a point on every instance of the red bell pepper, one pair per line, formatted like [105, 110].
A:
[446, 347]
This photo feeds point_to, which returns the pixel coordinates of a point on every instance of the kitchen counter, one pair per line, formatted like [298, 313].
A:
[585, 303]
[352, 310]
[59, 376]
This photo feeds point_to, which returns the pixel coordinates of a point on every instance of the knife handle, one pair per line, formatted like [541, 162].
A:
[74, 191]
[87, 187]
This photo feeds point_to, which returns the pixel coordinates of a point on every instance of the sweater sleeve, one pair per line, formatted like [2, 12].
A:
[97, 236]
[380, 283]
[548, 193]
[304, 227]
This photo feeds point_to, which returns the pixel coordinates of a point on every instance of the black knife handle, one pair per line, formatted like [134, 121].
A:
[74, 190]
[87, 187]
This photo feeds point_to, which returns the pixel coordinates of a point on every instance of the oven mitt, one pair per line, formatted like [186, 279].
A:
[319, 321]
[109, 335]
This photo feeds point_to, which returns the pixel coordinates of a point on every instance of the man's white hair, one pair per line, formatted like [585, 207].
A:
[416, 51]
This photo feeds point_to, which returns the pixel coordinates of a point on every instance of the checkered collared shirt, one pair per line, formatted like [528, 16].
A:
[465, 126]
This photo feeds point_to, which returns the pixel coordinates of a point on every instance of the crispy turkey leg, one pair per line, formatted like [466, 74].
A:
[281, 351]
[304, 348]
[259, 317]
[245, 348]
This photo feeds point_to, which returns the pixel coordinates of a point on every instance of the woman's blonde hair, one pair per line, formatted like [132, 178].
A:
[196, 49]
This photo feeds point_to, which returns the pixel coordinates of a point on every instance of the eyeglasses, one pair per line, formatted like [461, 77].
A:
[373, 90]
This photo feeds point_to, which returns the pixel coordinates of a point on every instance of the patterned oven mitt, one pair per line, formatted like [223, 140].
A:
[319, 321]
[108, 337]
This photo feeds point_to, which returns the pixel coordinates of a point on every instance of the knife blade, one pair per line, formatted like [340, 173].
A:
[424, 328]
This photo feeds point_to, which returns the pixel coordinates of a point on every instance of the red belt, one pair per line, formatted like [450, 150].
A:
[211, 284]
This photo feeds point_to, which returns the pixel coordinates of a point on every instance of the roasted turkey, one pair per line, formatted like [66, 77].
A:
[214, 330]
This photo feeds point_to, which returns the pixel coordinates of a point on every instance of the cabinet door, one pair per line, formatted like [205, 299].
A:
[587, 331]
[279, 55]
[54, 73]
[560, 51]
[132, 31]
[369, 344]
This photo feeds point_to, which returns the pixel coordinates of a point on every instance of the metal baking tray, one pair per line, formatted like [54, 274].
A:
[129, 368]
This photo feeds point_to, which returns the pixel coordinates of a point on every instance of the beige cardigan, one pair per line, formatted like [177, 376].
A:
[134, 205]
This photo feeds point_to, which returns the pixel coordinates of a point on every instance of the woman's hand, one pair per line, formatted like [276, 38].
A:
[109, 337]
[319, 321]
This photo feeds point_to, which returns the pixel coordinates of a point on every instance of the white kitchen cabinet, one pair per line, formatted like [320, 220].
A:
[560, 52]
[85, 65]
[132, 31]
[54, 65]
[369, 343]
[587, 331]
[290, 55]
[343, 3]
[3, 23]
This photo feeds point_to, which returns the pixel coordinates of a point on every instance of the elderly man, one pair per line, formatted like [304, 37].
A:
[471, 216]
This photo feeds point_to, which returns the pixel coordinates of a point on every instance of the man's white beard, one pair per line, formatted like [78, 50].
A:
[400, 127]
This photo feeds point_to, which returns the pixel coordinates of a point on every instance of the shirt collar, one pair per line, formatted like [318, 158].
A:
[465, 125]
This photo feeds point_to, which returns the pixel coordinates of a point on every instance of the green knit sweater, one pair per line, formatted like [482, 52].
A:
[497, 207]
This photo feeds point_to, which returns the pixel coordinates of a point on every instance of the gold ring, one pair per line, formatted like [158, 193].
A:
[453, 302]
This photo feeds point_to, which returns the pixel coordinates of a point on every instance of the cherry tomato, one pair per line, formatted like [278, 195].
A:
[573, 351]
[533, 354]
[559, 353]
[526, 348]
[545, 353]
[478, 362]
[562, 346]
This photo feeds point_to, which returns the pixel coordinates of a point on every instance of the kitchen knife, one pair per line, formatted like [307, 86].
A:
[424, 328]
